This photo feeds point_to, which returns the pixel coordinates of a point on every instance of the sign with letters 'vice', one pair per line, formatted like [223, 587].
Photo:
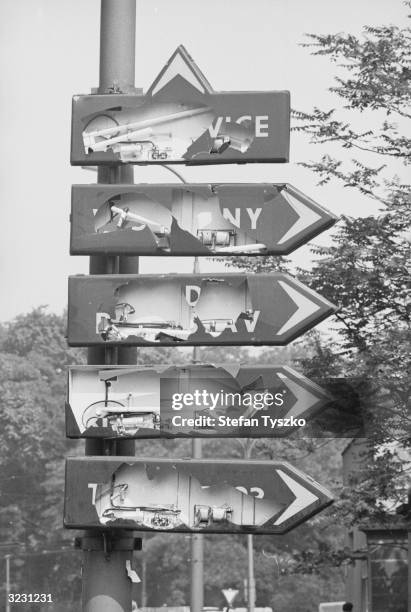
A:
[181, 120]
[194, 219]
[191, 309]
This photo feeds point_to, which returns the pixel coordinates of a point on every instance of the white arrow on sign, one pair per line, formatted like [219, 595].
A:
[306, 217]
[230, 595]
[303, 498]
[306, 307]
[305, 399]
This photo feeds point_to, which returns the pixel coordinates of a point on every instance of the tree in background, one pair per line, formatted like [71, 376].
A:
[366, 269]
[33, 360]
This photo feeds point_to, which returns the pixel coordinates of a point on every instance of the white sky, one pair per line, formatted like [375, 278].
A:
[49, 51]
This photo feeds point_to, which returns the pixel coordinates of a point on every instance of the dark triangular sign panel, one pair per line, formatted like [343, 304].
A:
[180, 64]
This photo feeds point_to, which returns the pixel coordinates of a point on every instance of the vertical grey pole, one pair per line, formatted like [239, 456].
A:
[117, 45]
[106, 585]
[409, 562]
[197, 539]
[197, 553]
[143, 583]
[7, 557]
[251, 579]
[248, 448]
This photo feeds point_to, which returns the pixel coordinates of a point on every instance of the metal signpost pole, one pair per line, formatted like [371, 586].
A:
[106, 585]
[251, 579]
[409, 569]
[7, 558]
[197, 540]
[197, 552]
[248, 448]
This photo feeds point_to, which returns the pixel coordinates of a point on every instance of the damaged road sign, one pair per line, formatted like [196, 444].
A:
[194, 219]
[189, 495]
[189, 401]
[191, 309]
[181, 120]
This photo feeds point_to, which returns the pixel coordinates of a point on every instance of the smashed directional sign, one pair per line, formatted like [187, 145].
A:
[189, 495]
[191, 309]
[189, 401]
[181, 120]
[194, 219]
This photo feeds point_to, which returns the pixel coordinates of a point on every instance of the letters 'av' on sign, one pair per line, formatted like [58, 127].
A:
[189, 495]
[191, 309]
[226, 219]
[190, 400]
[181, 120]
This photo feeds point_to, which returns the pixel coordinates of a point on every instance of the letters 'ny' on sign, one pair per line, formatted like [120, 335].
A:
[191, 309]
[194, 219]
[181, 120]
[189, 401]
[214, 496]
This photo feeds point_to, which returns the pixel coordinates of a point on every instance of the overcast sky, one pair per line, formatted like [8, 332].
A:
[49, 52]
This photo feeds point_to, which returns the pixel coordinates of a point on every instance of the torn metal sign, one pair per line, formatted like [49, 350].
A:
[201, 400]
[194, 219]
[189, 495]
[191, 309]
[181, 120]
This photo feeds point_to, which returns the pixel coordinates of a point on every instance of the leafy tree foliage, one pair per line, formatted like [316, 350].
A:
[33, 360]
[366, 269]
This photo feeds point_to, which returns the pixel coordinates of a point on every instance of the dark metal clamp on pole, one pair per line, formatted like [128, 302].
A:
[115, 89]
[108, 543]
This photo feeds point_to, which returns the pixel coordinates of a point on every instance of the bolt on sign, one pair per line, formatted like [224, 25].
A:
[181, 120]
[263, 497]
[189, 401]
[194, 219]
[191, 309]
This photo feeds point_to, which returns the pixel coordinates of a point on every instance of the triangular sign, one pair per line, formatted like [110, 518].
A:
[230, 595]
[181, 63]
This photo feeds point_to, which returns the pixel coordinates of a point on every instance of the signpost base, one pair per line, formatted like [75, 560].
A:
[106, 562]
[108, 588]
